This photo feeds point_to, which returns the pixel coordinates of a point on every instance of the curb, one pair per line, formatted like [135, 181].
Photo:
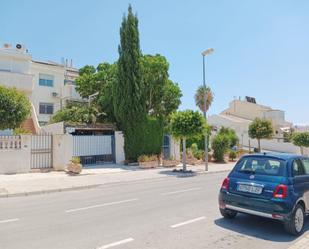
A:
[41, 192]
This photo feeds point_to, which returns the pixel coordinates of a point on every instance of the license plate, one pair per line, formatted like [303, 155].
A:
[249, 189]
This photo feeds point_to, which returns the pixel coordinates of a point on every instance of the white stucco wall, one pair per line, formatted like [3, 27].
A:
[55, 129]
[62, 151]
[44, 94]
[119, 147]
[13, 161]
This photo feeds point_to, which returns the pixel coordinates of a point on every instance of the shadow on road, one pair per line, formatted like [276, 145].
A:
[258, 227]
[177, 173]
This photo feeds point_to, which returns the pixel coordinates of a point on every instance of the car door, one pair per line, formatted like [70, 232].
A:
[300, 180]
[305, 162]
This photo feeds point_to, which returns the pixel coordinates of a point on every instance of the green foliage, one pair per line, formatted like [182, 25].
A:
[146, 138]
[200, 139]
[76, 114]
[128, 98]
[21, 131]
[75, 160]
[231, 134]
[14, 108]
[232, 155]
[220, 144]
[101, 80]
[186, 124]
[301, 139]
[147, 158]
[162, 96]
[198, 154]
[261, 129]
[200, 97]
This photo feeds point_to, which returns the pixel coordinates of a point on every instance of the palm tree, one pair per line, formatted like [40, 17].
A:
[199, 98]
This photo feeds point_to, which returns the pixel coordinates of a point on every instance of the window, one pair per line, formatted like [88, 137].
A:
[306, 165]
[46, 108]
[298, 168]
[262, 166]
[46, 80]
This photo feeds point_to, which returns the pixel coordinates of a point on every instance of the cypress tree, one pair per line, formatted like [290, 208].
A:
[128, 100]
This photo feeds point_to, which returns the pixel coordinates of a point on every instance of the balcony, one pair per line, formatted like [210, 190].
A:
[69, 93]
[23, 82]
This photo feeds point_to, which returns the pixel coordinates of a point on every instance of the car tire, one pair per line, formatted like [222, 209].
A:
[229, 214]
[296, 223]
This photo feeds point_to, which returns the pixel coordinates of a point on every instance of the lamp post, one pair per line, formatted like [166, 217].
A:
[205, 53]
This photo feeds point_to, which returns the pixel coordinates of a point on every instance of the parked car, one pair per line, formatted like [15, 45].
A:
[270, 185]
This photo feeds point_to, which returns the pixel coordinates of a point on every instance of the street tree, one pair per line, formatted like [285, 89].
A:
[14, 108]
[162, 95]
[260, 129]
[128, 98]
[301, 139]
[101, 80]
[184, 125]
[200, 98]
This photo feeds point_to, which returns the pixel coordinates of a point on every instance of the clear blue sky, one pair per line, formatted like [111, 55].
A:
[261, 46]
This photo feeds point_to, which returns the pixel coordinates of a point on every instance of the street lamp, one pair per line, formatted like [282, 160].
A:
[205, 53]
[91, 97]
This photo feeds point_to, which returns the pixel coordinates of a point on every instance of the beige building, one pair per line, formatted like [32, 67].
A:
[48, 85]
[241, 113]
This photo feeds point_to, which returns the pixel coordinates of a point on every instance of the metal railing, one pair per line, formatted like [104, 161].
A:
[10, 142]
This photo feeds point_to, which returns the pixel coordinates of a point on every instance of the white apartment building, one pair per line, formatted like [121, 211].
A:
[48, 85]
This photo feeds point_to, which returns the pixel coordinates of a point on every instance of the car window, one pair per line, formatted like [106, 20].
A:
[298, 168]
[262, 166]
[306, 165]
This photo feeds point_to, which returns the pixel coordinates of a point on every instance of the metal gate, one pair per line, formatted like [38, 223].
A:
[41, 151]
[95, 149]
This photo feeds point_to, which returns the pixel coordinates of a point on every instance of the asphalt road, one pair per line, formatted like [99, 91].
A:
[165, 213]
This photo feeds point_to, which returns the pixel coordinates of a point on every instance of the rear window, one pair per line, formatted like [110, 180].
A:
[261, 166]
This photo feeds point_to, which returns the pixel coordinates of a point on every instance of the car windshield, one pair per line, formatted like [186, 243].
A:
[261, 166]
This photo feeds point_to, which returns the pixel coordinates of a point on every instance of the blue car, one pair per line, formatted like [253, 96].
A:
[270, 185]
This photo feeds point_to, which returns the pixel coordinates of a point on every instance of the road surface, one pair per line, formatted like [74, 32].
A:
[165, 213]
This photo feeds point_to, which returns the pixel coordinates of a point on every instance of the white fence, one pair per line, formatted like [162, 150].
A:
[10, 142]
[92, 145]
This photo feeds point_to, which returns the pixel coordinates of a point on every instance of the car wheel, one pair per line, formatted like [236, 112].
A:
[229, 214]
[296, 224]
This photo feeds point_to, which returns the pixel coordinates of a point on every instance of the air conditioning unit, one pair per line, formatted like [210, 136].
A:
[55, 94]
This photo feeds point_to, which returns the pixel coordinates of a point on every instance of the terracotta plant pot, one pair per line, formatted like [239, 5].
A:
[74, 168]
[148, 165]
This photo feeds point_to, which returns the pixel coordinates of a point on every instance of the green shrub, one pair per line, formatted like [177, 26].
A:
[232, 155]
[21, 131]
[14, 108]
[231, 134]
[220, 145]
[148, 141]
[147, 158]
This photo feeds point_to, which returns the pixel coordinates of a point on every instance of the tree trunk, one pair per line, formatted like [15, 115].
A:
[184, 155]
[259, 144]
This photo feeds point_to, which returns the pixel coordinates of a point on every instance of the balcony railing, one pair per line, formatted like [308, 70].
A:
[10, 142]
[23, 82]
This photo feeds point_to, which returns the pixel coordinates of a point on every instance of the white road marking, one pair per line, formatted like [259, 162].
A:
[180, 191]
[9, 220]
[116, 243]
[99, 205]
[188, 222]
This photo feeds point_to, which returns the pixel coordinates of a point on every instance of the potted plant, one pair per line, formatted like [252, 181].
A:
[74, 167]
[148, 161]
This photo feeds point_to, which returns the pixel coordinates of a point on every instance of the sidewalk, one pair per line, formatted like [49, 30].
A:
[55, 181]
